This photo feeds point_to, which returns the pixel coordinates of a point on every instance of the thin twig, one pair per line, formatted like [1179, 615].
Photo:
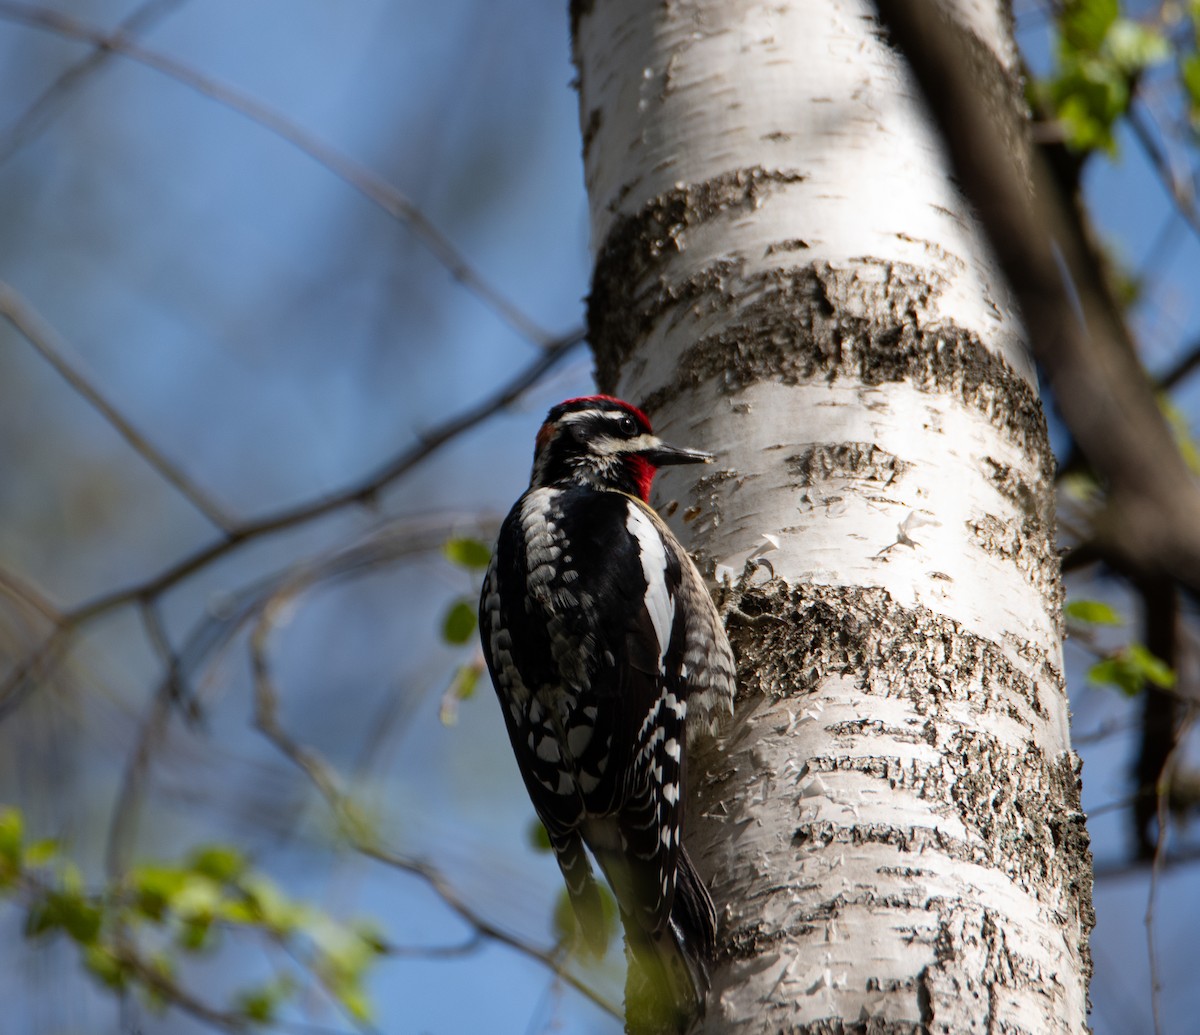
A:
[43, 337]
[360, 178]
[150, 734]
[178, 996]
[361, 492]
[39, 114]
[1182, 196]
[25, 593]
[392, 542]
[1163, 792]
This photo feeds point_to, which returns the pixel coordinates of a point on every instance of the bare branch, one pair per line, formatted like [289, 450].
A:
[40, 113]
[1184, 367]
[21, 679]
[1178, 189]
[361, 492]
[28, 595]
[1153, 519]
[53, 349]
[387, 545]
[123, 817]
[175, 994]
[360, 178]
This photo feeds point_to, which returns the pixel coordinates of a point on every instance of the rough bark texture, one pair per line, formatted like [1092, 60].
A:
[786, 276]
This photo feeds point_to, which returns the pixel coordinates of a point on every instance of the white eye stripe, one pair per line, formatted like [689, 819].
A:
[610, 446]
[581, 416]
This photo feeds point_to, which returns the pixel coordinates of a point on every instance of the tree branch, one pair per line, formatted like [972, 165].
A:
[53, 349]
[361, 179]
[38, 115]
[23, 675]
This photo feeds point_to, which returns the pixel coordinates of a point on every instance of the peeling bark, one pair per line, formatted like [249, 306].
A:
[787, 276]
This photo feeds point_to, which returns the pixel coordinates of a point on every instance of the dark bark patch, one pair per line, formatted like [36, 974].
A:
[1020, 808]
[792, 244]
[863, 1026]
[591, 128]
[637, 245]
[579, 9]
[1033, 503]
[865, 324]
[1024, 544]
[892, 651]
[861, 461]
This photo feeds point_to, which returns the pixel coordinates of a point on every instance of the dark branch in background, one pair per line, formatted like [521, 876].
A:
[1162, 795]
[1153, 517]
[1161, 712]
[38, 115]
[53, 349]
[26, 672]
[360, 178]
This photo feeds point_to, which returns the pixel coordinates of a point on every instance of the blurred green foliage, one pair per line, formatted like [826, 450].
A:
[134, 933]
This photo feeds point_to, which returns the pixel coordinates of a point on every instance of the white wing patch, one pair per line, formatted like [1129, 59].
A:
[660, 604]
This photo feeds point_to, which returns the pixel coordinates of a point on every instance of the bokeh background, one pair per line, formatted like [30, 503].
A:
[275, 325]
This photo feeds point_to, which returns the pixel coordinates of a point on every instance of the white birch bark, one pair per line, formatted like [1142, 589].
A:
[786, 276]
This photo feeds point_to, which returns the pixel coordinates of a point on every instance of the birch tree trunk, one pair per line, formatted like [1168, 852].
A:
[786, 276]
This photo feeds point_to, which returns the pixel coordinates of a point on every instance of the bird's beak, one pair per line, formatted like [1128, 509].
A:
[663, 455]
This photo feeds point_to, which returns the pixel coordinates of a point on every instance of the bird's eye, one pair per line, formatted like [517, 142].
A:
[628, 426]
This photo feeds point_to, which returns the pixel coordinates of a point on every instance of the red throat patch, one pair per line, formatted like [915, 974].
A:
[643, 472]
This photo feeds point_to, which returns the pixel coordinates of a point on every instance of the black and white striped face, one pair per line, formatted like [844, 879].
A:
[605, 443]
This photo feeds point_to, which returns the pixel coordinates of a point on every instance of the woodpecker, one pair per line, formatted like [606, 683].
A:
[604, 646]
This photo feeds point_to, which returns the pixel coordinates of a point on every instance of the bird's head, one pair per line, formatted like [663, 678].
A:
[605, 443]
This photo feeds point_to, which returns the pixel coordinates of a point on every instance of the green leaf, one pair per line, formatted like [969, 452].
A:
[1130, 669]
[1083, 24]
[41, 919]
[154, 889]
[1189, 73]
[459, 624]
[261, 1004]
[271, 907]
[468, 553]
[198, 899]
[105, 967]
[594, 932]
[41, 852]
[537, 835]
[461, 688]
[1100, 54]
[1094, 612]
[1152, 667]
[1114, 672]
[221, 863]
[77, 916]
[1134, 47]
[12, 829]
[355, 1002]
[196, 934]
